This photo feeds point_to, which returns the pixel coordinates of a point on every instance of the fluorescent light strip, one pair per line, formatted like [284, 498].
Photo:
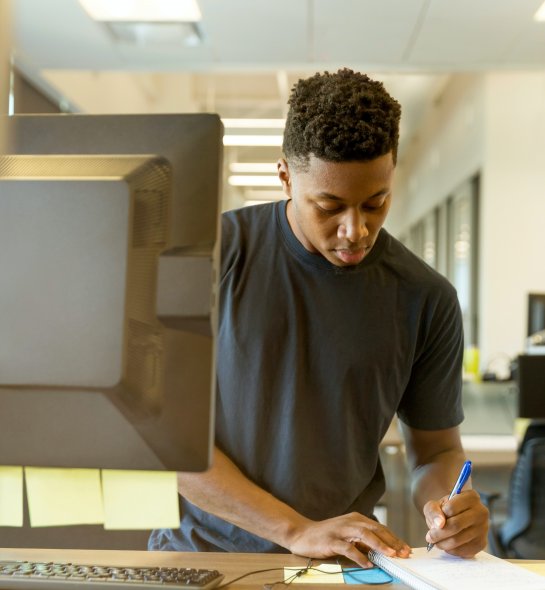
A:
[253, 167]
[142, 10]
[237, 180]
[264, 194]
[254, 123]
[251, 203]
[540, 14]
[252, 140]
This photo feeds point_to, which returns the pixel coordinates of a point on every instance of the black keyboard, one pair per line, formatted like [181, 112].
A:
[20, 575]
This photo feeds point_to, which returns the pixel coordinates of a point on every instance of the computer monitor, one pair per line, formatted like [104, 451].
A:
[536, 312]
[108, 258]
[530, 377]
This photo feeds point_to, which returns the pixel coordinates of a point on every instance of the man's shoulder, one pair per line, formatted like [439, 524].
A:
[413, 269]
[245, 230]
[250, 214]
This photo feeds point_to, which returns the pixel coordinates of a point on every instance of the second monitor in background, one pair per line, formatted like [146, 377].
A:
[536, 313]
[530, 376]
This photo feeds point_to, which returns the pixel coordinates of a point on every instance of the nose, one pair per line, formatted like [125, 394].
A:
[353, 226]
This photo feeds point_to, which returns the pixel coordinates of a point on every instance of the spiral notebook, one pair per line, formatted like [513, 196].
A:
[437, 570]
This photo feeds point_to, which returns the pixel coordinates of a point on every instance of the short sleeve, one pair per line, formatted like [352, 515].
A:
[433, 396]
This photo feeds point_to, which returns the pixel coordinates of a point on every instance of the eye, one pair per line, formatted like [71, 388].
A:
[328, 208]
[374, 206]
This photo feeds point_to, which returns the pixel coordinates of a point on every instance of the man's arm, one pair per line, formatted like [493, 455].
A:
[224, 491]
[459, 526]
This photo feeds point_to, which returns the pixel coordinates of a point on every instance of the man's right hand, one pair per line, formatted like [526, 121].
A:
[350, 535]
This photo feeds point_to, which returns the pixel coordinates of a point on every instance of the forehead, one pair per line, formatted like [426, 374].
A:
[344, 179]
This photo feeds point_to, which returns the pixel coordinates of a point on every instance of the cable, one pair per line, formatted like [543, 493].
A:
[252, 573]
[298, 573]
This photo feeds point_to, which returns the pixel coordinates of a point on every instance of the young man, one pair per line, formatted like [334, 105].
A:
[328, 328]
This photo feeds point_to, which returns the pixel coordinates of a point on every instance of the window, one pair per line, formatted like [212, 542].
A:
[462, 250]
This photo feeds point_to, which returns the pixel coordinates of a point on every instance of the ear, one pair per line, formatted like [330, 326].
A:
[284, 176]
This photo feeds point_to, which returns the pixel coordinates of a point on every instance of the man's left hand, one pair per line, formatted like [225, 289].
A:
[458, 526]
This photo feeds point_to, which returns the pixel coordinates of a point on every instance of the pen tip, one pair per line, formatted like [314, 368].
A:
[429, 547]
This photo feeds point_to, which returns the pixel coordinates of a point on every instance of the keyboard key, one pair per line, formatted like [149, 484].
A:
[25, 575]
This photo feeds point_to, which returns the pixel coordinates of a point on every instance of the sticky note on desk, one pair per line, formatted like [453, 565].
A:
[521, 425]
[325, 573]
[11, 496]
[372, 575]
[140, 499]
[60, 497]
[537, 568]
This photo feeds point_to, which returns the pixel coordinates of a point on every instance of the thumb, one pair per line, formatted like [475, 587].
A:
[434, 515]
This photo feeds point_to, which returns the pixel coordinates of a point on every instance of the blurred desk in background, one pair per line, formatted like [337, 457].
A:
[489, 430]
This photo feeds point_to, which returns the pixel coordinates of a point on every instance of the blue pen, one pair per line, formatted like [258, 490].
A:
[460, 483]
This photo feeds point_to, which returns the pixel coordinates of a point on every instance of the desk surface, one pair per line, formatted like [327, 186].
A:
[231, 565]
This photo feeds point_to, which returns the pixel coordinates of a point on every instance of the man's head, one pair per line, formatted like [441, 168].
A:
[341, 117]
[340, 144]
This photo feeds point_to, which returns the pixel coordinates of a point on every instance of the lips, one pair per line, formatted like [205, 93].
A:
[351, 255]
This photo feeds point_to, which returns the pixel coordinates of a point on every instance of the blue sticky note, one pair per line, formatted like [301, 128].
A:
[374, 575]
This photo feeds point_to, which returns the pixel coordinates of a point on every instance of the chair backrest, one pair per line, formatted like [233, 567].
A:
[523, 532]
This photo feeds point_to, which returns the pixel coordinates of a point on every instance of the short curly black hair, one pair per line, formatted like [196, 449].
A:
[345, 116]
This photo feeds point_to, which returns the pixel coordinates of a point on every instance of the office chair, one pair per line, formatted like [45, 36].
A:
[522, 534]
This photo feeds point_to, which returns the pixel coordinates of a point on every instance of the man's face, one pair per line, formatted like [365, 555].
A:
[338, 208]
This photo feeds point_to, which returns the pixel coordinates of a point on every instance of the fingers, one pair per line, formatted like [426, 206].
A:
[433, 512]
[464, 501]
[350, 535]
[350, 551]
[455, 532]
[376, 537]
[370, 534]
[465, 530]
[465, 543]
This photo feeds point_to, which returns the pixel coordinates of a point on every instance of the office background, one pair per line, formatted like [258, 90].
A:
[470, 77]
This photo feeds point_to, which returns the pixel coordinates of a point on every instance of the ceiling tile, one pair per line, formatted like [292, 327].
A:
[466, 34]
[57, 33]
[363, 31]
[243, 32]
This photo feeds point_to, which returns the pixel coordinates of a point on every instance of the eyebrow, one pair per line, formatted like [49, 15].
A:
[326, 195]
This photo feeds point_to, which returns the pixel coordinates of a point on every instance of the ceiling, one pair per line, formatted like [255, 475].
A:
[378, 35]
[252, 51]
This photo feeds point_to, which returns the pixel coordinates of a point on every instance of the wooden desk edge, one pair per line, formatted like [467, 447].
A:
[231, 565]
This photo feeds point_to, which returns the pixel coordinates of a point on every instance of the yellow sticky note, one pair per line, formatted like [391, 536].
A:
[11, 496]
[521, 425]
[325, 573]
[537, 568]
[63, 496]
[140, 499]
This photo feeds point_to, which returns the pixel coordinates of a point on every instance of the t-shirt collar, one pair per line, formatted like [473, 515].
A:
[317, 260]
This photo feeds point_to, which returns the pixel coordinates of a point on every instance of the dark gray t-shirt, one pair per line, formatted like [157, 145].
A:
[313, 363]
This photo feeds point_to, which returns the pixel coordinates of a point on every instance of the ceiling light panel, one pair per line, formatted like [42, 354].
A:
[142, 10]
[253, 167]
[252, 140]
[237, 180]
[167, 34]
[540, 14]
[262, 194]
[254, 123]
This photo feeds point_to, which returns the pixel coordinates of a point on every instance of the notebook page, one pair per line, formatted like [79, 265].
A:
[447, 572]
